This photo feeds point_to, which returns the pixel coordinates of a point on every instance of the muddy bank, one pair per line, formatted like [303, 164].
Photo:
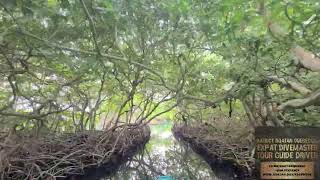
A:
[84, 155]
[228, 161]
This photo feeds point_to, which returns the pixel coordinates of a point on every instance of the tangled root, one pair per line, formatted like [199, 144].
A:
[228, 160]
[61, 156]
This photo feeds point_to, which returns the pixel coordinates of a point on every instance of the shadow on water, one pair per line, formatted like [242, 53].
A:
[164, 156]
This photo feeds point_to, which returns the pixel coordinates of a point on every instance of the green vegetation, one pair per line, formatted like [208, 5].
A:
[70, 65]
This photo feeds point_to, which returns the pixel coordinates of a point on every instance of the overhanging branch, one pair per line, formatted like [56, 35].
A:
[305, 58]
[214, 103]
[311, 99]
[295, 86]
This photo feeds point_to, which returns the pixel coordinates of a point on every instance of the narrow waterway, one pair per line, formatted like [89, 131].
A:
[164, 156]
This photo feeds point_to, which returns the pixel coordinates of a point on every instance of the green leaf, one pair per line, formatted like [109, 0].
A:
[26, 11]
[10, 4]
[52, 3]
[64, 4]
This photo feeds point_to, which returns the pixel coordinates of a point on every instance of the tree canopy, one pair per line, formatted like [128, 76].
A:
[71, 65]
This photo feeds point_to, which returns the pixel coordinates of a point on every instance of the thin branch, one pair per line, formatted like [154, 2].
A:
[92, 27]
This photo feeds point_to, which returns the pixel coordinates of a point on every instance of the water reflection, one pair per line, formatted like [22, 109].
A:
[163, 155]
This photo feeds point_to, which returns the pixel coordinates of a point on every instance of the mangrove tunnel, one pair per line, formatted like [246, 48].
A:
[151, 90]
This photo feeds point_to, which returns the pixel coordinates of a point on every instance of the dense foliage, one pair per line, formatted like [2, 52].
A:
[76, 64]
